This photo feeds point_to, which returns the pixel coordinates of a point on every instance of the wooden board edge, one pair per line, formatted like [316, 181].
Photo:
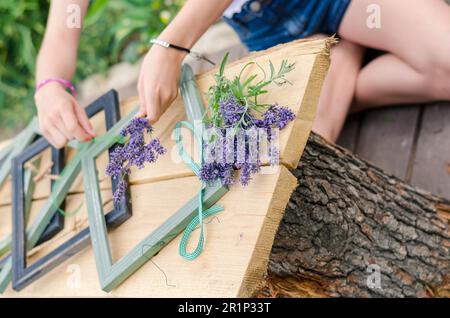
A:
[305, 118]
[257, 267]
[316, 45]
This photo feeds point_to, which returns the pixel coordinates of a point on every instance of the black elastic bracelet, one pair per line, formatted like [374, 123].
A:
[165, 44]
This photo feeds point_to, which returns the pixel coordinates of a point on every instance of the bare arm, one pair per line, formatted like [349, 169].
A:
[160, 72]
[60, 117]
[193, 20]
[58, 53]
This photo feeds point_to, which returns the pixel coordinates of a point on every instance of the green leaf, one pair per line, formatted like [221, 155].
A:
[96, 10]
[223, 63]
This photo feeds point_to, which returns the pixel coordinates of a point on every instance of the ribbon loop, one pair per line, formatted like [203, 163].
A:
[198, 220]
[179, 142]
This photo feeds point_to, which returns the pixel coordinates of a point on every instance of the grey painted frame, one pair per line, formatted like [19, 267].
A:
[5, 242]
[23, 275]
[16, 146]
[41, 144]
[29, 186]
[4, 153]
[56, 224]
[112, 274]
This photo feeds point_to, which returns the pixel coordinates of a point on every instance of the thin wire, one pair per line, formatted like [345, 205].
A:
[156, 265]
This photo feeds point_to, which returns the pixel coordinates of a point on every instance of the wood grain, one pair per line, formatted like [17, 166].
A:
[238, 240]
[349, 135]
[387, 137]
[311, 58]
[431, 168]
[249, 220]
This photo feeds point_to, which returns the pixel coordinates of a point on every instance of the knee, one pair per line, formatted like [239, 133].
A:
[437, 73]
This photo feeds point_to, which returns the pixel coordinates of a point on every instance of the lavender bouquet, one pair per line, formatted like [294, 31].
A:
[134, 151]
[238, 124]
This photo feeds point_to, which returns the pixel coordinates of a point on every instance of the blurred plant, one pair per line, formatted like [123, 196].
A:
[114, 31]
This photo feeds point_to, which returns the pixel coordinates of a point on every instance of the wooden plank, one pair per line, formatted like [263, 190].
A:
[311, 58]
[349, 135]
[431, 169]
[387, 136]
[112, 273]
[235, 258]
[244, 232]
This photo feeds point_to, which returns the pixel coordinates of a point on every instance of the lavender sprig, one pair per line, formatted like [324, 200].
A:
[234, 104]
[134, 152]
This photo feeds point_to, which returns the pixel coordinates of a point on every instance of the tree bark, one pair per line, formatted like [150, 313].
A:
[347, 221]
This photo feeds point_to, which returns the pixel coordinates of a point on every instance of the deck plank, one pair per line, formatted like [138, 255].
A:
[431, 169]
[349, 135]
[387, 137]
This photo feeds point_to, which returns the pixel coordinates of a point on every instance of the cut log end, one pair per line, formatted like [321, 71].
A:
[352, 230]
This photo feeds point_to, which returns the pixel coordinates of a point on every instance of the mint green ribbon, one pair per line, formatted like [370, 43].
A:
[197, 220]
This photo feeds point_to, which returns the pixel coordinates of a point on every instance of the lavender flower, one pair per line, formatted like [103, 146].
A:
[156, 145]
[277, 116]
[116, 161]
[134, 152]
[209, 172]
[274, 155]
[247, 171]
[234, 104]
[274, 117]
[231, 110]
[120, 191]
[137, 126]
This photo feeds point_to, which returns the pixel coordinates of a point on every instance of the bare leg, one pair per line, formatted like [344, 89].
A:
[417, 36]
[338, 89]
[407, 84]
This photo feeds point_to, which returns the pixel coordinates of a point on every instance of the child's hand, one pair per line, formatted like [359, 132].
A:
[158, 81]
[61, 118]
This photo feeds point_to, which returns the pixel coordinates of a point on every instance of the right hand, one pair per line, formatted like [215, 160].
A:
[61, 118]
[158, 81]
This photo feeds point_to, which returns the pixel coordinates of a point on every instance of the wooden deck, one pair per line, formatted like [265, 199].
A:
[411, 141]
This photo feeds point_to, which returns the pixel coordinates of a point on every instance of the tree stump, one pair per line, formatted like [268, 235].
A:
[347, 222]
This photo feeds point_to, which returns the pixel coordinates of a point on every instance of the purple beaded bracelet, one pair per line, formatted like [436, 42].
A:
[61, 81]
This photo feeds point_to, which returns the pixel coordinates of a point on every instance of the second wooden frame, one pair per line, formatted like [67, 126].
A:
[112, 274]
[23, 275]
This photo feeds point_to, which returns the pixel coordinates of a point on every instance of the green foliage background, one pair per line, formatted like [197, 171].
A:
[114, 31]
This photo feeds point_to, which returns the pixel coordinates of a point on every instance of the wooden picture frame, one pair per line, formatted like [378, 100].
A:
[16, 146]
[4, 153]
[110, 104]
[29, 185]
[30, 134]
[25, 240]
[56, 224]
[29, 152]
[5, 242]
[112, 274]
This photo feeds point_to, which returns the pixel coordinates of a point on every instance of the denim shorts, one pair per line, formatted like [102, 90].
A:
[265, 23]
